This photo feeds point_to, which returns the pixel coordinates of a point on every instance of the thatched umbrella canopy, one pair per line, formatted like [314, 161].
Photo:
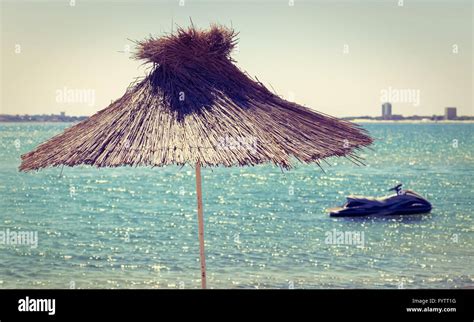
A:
[196, 107]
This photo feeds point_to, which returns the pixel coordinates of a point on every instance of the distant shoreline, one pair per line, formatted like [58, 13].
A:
[361, 121]
[411, 121]
[6, 118]
[40, 118]
[38, 122]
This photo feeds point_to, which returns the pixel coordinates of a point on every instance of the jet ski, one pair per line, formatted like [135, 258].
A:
[404, 202]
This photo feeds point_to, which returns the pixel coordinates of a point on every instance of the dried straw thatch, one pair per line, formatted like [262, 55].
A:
[195, 105]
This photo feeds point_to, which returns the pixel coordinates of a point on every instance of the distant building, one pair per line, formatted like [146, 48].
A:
[450, 113]
[386, 111]
[63, 114]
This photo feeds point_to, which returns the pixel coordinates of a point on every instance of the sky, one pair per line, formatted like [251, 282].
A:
[343, 58]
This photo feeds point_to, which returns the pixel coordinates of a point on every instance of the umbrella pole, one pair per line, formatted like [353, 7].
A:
[200, 225]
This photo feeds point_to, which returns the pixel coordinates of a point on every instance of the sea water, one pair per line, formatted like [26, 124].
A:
[264, 228]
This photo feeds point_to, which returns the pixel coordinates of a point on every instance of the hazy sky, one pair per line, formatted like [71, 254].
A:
[338, 57]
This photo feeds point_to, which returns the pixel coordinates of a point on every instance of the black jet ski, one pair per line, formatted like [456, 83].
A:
[404, 202]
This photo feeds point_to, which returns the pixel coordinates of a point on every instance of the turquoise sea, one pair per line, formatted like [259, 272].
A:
[264, 228]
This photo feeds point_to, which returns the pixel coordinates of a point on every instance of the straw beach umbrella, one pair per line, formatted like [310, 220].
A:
[196, 107]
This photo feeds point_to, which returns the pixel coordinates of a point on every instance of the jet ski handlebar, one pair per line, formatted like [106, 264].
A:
[397, 188]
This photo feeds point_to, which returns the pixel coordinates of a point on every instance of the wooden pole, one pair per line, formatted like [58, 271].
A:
[200, 225]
